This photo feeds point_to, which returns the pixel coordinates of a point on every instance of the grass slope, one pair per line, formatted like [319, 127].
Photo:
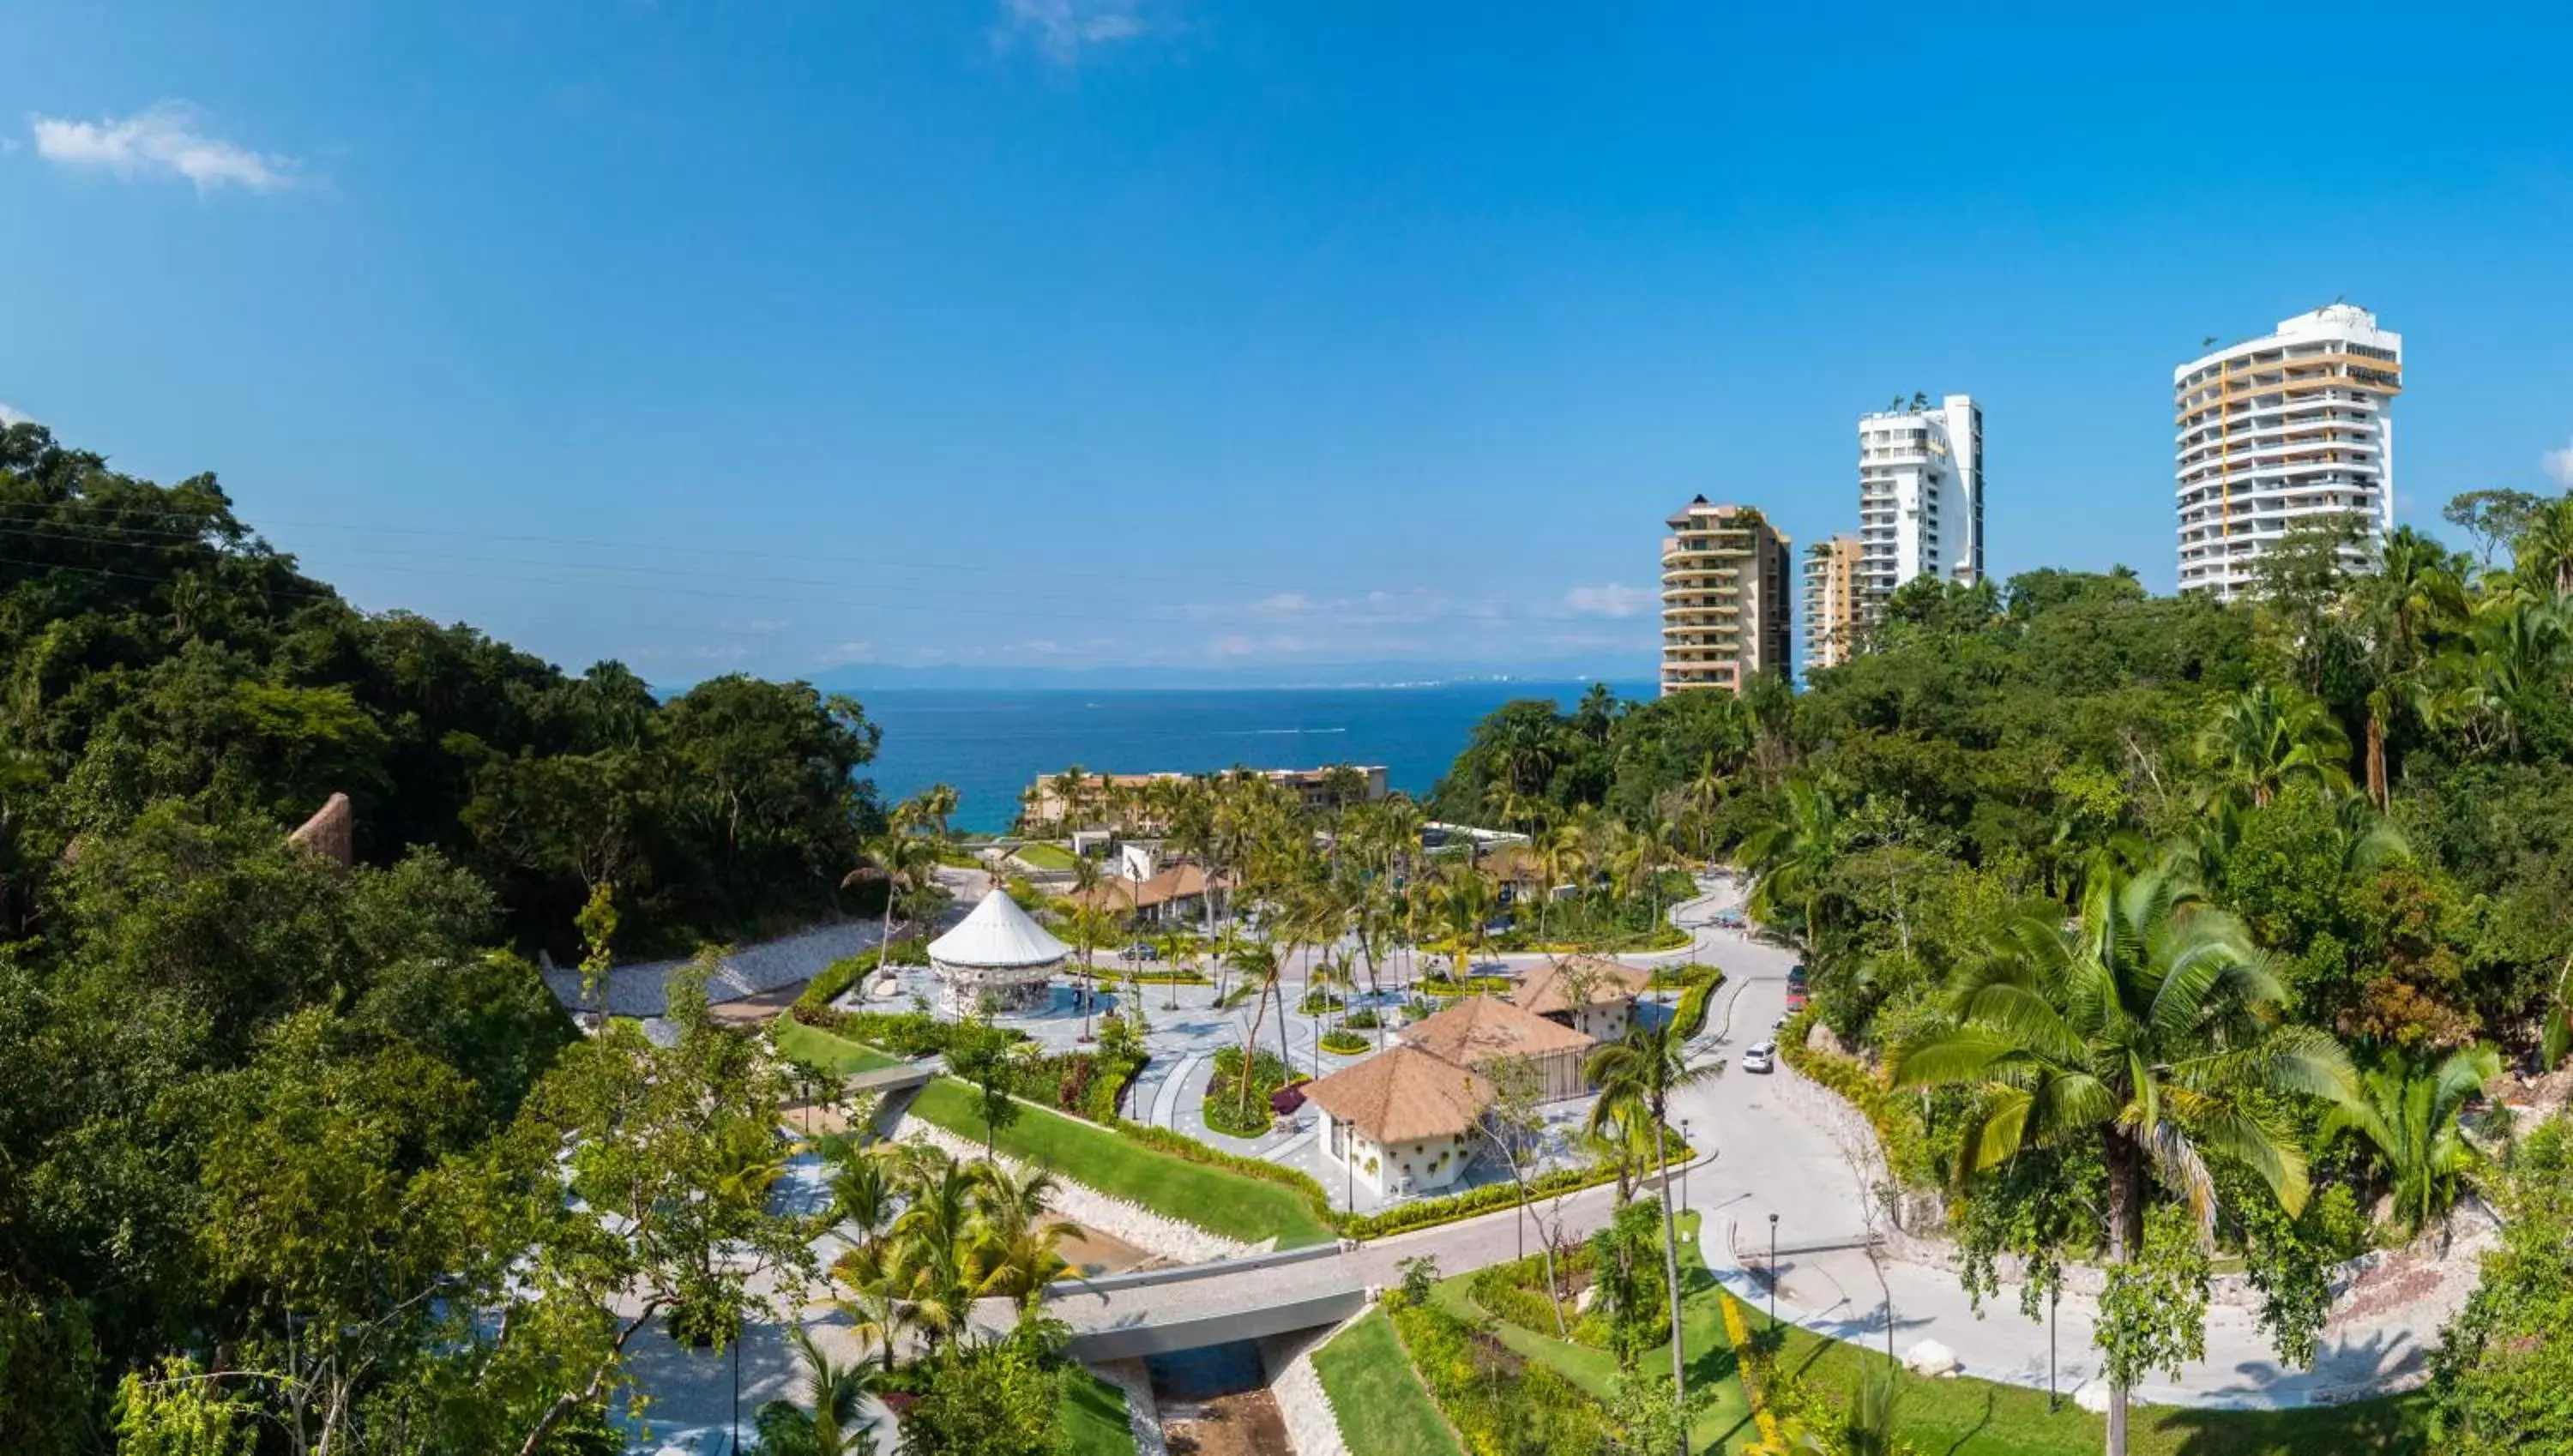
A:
[1047, 856]
[831, 1054]
[1724, 1420]
[1381, 1407]
[1213, 1199]
[1967, 1417]
[1094, 1416]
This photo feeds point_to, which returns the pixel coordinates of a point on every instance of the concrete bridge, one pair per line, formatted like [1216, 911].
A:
[1163, 1311]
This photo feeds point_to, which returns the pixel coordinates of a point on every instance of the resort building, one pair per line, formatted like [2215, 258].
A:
[996, 955]
[1480, 1031]
[1586, 994]
[1724, 597]
[2287, 427]
[1127, 799]
[1919, 496]
[1176, 893]
[1403, 1121]
[1831, 601]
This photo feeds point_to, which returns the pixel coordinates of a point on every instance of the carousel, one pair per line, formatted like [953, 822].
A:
[996, 952]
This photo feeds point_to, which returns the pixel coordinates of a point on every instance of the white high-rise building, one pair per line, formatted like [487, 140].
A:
[1919, 496]
[2284, 429]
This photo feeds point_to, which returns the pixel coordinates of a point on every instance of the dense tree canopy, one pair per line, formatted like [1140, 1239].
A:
[279, 1136]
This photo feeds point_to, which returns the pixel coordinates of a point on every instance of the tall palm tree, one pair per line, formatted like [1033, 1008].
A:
[2406, 1111]
[2148, 1030]
[1462, 899]
[1636, 1077]
[1561, 854]
[1014, 1247]
[1257, 959]
[2263, 740]
[1787, 853]
[904, 863]
[2414, 593]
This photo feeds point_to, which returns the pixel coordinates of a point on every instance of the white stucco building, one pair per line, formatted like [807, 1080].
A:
[1403, 1121]
[2288, 427]
[1919, 496]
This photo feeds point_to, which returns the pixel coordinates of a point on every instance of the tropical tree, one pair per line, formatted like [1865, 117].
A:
[904, 863]
[1636, 1077]
[2407, 1111]
[2149, 1031]
[1788, 852]
[2264, 739]
[833, 1420]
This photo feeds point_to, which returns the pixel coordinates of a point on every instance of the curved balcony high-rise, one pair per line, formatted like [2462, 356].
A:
[2280, 429]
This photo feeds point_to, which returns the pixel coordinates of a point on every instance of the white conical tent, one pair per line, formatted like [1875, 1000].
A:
[997, 952]
[998, 935]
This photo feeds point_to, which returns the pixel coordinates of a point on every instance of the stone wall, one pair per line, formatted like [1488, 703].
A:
[1155, 1232]
[1143, 1413]
[1312, 1427]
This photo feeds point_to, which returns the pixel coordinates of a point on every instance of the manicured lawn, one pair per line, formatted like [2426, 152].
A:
[1967, 1417]
[1213, 1199]
[830, 1053]
[1723, 1421]
[1047, 856]
[1379, 1401]
[1094, 1416]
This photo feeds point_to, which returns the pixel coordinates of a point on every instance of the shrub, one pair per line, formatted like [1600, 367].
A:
[1319, 999]
[1224, 1099]
[1689, 1018]
[1345, 1041]
[840, 975]
[1495, 1400]
[1689, 974]
[1363, 1019]
[1473, 985]
[1514, 1291]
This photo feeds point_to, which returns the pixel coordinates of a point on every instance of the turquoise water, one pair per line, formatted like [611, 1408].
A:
[992, 743]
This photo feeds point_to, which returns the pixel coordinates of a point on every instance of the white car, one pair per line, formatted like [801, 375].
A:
[1763, 1058]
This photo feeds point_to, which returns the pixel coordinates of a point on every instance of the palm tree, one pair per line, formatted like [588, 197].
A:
[865, 1191]
[1014, 1247]
[2407, 1112]
[904, 863]
[1788, 852]
[1257, 959]
[2263, 740]
[1070, 792]
[1636, 1077]
[1090, 927]
[836, 1424]
[2148, 1029]
[2414, 592]
[1561, 854]
[1464, 901]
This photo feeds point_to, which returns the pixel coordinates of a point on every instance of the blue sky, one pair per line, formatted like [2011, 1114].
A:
[1176, 332]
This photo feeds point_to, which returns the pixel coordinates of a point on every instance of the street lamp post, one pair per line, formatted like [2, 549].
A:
[1773, 1270]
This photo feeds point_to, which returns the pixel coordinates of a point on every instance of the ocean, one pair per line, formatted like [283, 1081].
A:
[992, 743]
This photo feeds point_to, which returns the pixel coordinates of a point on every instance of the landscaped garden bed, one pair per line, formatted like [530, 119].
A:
[1344, 1043]
[1226, 1108]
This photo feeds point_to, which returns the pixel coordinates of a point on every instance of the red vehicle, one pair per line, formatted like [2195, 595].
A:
[1794, 998]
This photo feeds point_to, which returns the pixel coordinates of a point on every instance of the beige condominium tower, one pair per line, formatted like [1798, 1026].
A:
[1724, 597]
[1832, 601]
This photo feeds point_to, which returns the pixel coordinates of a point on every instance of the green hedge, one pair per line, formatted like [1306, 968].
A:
[1686, 973]
[1907, 1148]
[826, 985]
[1344, 1043]
[1187, 1149]
[1689, 1018]
[1472, 986]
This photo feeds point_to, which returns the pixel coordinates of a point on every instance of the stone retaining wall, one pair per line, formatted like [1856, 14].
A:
[1143, 1413]
[1153, 1233]
[1313, 1426]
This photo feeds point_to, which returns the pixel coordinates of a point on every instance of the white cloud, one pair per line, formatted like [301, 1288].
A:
[840, 654]
[10, 416]
[2559, 466]
[1284, 603]
[1234, 644]
[1611, 600]
[161, 141]
[1061, 29]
